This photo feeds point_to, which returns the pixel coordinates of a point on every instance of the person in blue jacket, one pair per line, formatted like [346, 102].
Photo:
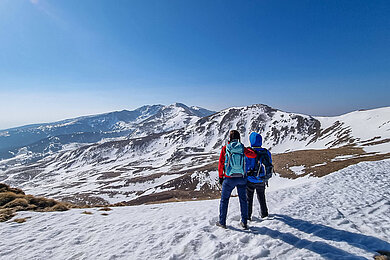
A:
[258, 171]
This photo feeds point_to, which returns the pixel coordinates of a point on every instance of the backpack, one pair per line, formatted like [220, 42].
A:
[263, 167]
[235, 159]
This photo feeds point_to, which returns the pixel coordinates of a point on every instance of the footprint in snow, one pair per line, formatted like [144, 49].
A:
[338, 216]
[213, 221]
[343, 222]
[263, 253]
[244, 239]
[186, 220]
[212, 237]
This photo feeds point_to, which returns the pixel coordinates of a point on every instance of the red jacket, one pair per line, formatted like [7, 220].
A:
[221, 165]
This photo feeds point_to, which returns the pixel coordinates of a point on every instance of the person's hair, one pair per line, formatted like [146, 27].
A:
[234, 134]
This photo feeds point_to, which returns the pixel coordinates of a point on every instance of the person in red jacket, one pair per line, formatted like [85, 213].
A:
[232, 174]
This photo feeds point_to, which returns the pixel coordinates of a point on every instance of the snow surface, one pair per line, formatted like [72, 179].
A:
[298, 170]
[344, 215]
[362, 125]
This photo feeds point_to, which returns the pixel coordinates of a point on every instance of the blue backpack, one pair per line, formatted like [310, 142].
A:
[259, 169]
[235, 159]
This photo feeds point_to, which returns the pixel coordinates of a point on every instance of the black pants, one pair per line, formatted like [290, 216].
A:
[260, 190]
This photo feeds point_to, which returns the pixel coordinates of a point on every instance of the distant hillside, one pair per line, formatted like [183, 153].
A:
[36, 141]
[171, 158]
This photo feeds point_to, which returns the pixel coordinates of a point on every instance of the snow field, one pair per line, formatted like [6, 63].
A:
[344, 215]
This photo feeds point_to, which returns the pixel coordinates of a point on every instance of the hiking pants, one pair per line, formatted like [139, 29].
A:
[260, 190]
[227, 187]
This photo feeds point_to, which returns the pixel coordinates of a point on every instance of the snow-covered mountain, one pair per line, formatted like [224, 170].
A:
[169, 164]
[37, 141]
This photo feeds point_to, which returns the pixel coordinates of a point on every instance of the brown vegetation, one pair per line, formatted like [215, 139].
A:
[13, 200]
[383, 255]
[19, 202]
[20, 220]
[316, 163]
[105, 209]
[59, 207]
[6, 197]
[322, 162]
[6, 214]
[5, 188]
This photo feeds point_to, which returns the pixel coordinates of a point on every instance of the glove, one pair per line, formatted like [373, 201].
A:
[220, 181]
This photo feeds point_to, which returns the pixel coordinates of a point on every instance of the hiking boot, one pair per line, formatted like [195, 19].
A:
[244, 226]
[250, 218]
[264, 216]
[220, 225]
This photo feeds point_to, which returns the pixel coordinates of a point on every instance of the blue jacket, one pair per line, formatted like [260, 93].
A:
[250, 163]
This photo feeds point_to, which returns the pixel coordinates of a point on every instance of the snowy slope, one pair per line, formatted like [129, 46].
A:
[341, 216]
[369, 129]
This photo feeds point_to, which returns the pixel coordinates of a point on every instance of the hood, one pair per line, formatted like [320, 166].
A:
[256, 140]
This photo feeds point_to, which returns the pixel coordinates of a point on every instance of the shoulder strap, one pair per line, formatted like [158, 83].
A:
[264, 156]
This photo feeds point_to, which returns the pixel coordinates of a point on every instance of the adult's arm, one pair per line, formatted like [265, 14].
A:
[250, 153]
[221, 163]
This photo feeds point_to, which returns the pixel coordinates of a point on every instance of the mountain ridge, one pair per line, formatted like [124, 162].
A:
[113, 124]
[182, 162]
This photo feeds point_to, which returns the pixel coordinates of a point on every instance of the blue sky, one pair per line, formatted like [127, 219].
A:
[65, 58]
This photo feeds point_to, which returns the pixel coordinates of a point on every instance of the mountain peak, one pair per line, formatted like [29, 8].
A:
[177, 104]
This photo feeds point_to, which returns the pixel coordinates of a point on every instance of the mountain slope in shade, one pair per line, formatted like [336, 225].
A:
[324, 218]
[182, 163]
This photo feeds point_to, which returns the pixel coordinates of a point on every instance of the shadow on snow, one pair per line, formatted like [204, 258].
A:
[368, 243]
[325, 250]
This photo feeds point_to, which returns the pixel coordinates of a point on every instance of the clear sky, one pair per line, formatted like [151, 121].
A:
[66, 58]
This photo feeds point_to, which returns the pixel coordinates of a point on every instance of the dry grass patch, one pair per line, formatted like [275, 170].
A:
[105, 209]
[383, 255]
[13, 200]
[18, 202]
[6, 214]
[5, 188]
[7, 196]
[104, 214]
[322, 162]
[41, 202]
[20, 220]
[59, 207]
